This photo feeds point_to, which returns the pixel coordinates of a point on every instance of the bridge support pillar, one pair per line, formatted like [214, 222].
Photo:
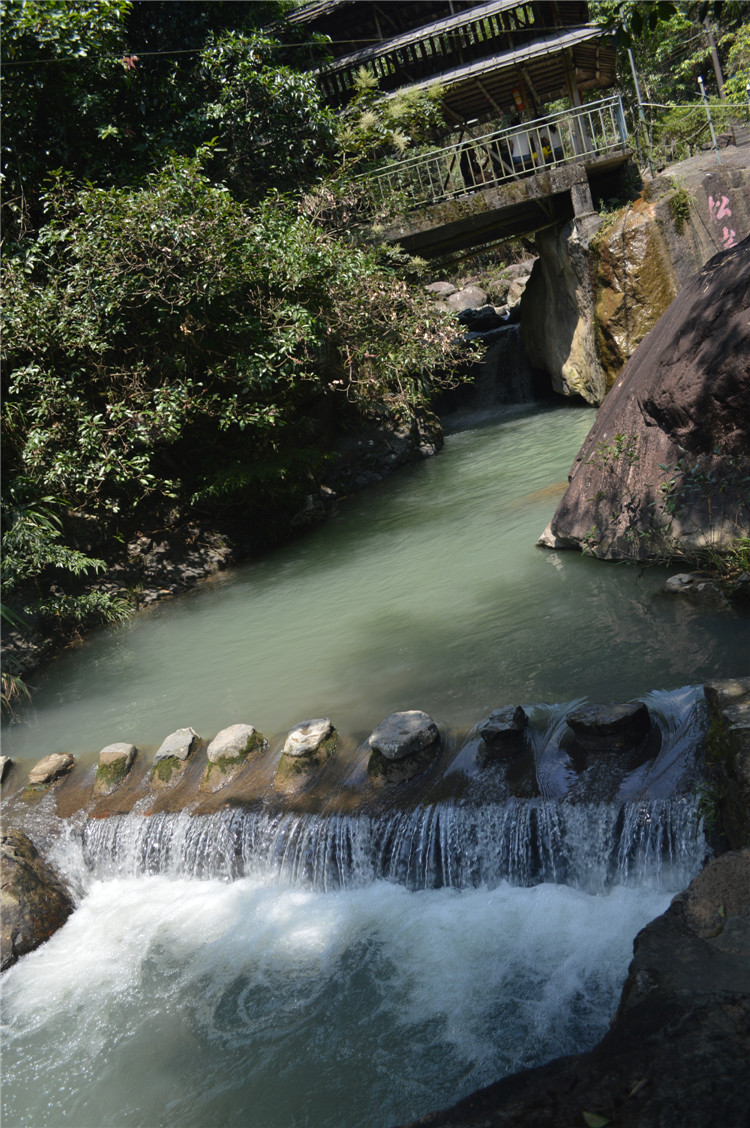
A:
[580, 194]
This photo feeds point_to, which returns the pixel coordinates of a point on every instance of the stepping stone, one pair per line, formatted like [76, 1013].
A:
[115, 761]
[404, 734]
[51, 768]
[609, 727]
[308, 736]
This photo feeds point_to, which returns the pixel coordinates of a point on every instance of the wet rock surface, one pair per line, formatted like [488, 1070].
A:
[609, 727]
[178, 744]
[728, 759]
[403, 734]
[504, 734]
[228, 753]
[308, 746]
[50, 768]
[35, 903]
[171, 759]
[307, 736]
[231, 743]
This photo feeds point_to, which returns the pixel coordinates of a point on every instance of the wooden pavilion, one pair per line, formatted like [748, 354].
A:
[491, 58]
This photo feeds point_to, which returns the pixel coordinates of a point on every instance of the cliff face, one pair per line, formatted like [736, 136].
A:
[598, 289]
[666, 463]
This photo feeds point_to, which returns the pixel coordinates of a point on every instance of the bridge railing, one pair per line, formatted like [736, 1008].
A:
[507, 154]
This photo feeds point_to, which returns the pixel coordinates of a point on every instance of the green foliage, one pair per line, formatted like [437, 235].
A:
[166, 343]
[269, 122]
[671, 48]
[373, 129]
[737, 45]
[38, 565]
[62, 71]
[108, 90]
[165, 347]
[622, 449]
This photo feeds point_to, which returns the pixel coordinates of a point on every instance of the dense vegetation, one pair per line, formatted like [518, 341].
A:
[671, 48]
[186, 326]
[188, 320]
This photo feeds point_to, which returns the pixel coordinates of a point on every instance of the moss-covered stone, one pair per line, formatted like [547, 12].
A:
[383, 771]
[218, 773]
[167, 771]
[110, 776]
[295, 772]
[115, 761]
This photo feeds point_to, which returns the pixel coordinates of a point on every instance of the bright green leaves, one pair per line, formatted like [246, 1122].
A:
[372, 128]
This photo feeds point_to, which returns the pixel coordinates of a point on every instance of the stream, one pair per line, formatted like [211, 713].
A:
[263, 969]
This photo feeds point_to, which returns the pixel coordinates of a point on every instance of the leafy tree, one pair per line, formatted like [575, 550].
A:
[165, 343]
[269, 121]
[670, 46]
[107, 90]
[737, 45]
[62, 67]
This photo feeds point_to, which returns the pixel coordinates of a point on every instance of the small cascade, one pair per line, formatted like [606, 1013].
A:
[659, 844]
[503, 378]
[506, 375]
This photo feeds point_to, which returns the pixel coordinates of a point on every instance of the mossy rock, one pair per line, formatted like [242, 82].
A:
[219, 773]
[110, 776]
[167, 771]
[295, 772]
[115, 762]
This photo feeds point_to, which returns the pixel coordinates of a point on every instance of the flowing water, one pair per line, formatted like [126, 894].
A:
[264, 968]
[356, 971]
[426, 592]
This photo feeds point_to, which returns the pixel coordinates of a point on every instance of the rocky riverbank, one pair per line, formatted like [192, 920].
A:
[602, 282]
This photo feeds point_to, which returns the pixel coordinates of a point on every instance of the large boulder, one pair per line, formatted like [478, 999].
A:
[557, 313]
[665, 464]
[653, 247]
[602, 282]
[34, 901]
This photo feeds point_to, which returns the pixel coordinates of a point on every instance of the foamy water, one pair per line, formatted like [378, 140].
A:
[178, 1002]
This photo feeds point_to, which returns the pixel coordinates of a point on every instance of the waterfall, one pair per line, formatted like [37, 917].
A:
[506, 375]
[503, 378]
[461, 846]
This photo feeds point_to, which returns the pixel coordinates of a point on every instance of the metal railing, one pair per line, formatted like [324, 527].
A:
[507, 154]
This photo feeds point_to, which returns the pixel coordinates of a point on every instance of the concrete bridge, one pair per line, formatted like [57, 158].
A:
[510, 182]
